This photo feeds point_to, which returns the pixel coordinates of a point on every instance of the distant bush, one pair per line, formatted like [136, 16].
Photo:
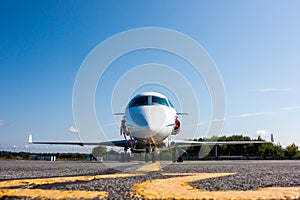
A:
[26, 155]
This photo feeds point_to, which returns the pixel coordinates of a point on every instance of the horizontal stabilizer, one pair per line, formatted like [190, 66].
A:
[118, 113]
[181, 113]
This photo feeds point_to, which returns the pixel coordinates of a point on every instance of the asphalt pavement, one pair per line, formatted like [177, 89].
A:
[244, 176]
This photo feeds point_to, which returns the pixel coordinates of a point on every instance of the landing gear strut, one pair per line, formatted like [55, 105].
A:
[153, 157]
[146, 157]
[127, 155]
[175, 157]
[150, 152]
[174, 154]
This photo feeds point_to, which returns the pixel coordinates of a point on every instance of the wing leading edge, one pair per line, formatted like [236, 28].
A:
[200, 143]
[118, 143]
[208, 143]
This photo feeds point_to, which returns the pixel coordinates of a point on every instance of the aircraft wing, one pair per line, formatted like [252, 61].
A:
[200, 143]
[207, 143]
[118, 143]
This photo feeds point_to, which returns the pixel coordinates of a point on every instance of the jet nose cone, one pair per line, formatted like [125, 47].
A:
[138, 117]
[152, 118]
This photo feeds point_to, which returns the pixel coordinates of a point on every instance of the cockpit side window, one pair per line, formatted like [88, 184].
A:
[139, 101]
[159, 101]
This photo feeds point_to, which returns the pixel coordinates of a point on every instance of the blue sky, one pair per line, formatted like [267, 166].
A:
[255, 45]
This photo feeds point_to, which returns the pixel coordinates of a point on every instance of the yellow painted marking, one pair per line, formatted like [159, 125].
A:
[170, 188]
[150, 168]
[43, 181]
[55, 194]
[52, 194]
[178, 188]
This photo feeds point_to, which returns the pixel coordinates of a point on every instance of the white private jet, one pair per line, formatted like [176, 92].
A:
[148, 122]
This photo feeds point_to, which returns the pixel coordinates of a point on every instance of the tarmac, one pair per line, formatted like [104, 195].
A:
[160, 180]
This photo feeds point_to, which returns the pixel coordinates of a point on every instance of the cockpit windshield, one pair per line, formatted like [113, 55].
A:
[159, 101]
[149, 100]
[139, 101]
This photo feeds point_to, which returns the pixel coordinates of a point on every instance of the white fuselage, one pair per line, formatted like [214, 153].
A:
[150, 118]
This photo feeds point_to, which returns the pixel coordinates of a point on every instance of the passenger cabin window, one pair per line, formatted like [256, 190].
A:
[139, 101]
[159, 101]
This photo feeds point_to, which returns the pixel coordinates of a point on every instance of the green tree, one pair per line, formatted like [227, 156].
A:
[259, 138]
[278, 151]
[292, 151]
[99, 151]
[269, 149]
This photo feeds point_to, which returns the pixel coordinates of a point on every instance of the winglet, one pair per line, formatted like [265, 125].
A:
[30, 139]
[272, 138]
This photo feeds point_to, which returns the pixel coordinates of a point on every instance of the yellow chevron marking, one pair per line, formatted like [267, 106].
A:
[178, 188]
[151, 167]
[170, 188]
[52, 194]
[55, 194]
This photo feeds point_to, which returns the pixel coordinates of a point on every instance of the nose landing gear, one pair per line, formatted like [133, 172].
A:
[150, 153]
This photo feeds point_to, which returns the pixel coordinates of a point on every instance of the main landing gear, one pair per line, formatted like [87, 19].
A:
[150, 153]
[175, 156]
[126, 155]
